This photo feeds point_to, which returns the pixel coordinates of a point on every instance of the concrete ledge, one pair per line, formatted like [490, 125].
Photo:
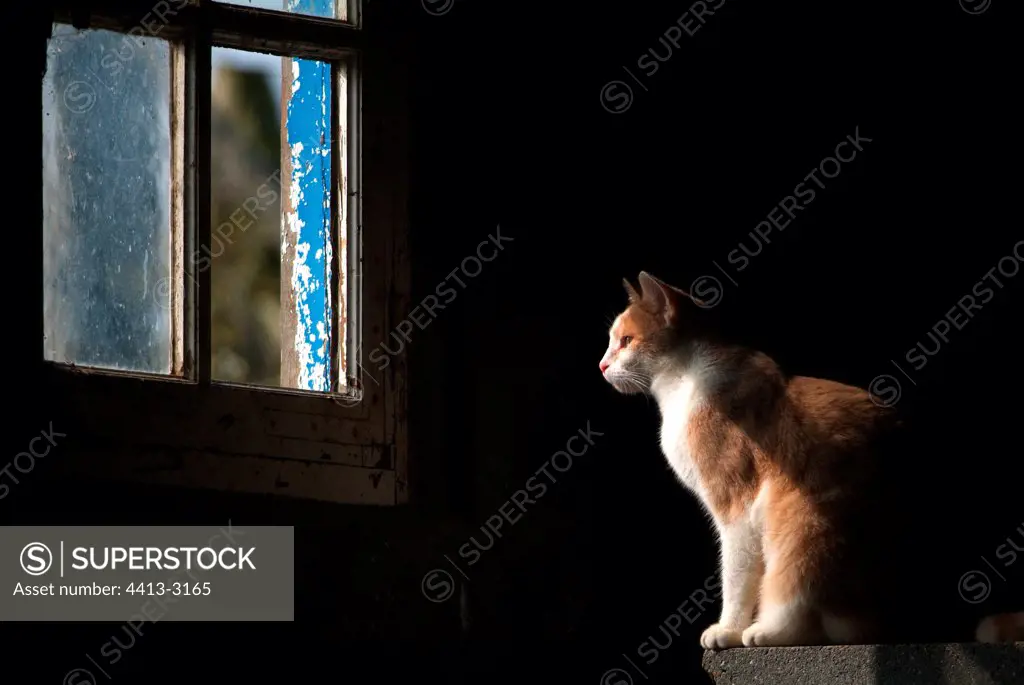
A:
[915, 664]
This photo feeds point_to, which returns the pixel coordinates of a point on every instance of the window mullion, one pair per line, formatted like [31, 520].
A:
[197, 280]
[338, 237]
[353, 219]
[182, 342]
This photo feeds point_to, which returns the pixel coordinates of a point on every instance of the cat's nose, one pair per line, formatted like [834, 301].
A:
[604, 365]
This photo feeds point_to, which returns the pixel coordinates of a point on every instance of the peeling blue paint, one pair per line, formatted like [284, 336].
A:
[309, 140]
[318, 8]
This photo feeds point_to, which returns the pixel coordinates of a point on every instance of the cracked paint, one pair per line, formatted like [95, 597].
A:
[309, 214]
[318, 8]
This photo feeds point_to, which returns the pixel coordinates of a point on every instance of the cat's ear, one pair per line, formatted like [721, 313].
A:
[662, 297]
[634, 296]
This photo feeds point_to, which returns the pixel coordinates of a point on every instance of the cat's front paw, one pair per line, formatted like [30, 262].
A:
[721, 637]
[761, 635]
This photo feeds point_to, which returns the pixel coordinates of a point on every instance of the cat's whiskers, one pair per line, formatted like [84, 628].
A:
[637, 380]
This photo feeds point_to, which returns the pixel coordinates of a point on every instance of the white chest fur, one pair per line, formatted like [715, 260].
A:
[677, 399]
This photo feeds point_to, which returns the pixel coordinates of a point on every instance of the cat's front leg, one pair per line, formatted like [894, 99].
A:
[742, 570]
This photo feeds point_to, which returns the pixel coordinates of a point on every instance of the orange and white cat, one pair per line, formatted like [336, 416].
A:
[790, 469]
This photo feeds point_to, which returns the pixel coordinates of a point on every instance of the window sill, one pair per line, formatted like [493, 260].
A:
[231, 437]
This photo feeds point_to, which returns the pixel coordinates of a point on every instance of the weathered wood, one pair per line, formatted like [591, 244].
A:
[341, 229]
[221, 471]
[289, 360]
[201, 280]
[179, 173]
[349, 448]
[308, 226]
[233, 26]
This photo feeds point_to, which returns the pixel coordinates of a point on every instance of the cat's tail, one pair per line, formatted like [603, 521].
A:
[1001, 628]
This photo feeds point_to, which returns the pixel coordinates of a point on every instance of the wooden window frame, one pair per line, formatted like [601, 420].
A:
[346, 447]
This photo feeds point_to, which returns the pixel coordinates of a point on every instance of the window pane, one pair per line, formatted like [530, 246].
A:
[245, 243]
[337, 9]
[271, 247]
[107, 200]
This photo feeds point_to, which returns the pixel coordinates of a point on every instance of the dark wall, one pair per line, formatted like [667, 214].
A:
[509, 129]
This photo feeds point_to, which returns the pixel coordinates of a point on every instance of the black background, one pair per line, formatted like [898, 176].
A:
[509, 128]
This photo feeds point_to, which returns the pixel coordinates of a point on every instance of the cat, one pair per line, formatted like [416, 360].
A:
[797, 475]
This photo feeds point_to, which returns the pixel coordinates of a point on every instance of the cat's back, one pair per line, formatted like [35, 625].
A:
[830, 409]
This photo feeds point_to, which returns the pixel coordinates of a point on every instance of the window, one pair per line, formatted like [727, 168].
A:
[217, 252]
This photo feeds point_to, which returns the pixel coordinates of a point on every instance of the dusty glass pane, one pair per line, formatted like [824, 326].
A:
[245, 243]
[106, 200]
[336, 9]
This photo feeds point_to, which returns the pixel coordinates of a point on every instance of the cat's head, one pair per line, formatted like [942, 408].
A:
[649, 333]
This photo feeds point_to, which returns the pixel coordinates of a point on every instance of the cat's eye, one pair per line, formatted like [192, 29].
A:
[625, 340]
